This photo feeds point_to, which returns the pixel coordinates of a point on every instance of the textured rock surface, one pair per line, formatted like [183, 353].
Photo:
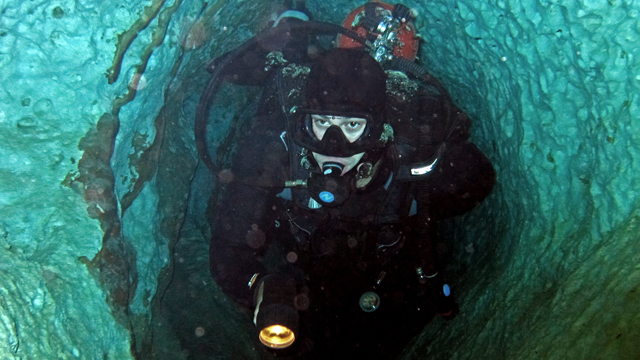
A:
[548, 267]
[52, 92]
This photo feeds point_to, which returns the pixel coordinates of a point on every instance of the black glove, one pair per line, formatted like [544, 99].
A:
[442, 297]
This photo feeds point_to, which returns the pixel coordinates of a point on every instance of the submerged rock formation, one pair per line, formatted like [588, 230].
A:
[103, 237]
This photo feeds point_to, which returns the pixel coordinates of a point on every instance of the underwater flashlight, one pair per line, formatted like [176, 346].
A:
[277, 336]
[276, 318]
[278, 325]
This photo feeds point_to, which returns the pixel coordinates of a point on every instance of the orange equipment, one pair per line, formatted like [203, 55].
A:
[389, 28]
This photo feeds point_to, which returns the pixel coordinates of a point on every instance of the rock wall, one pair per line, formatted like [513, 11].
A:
[548, 266]
[102, 230]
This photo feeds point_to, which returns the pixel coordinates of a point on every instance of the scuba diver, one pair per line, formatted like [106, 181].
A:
[326, 226]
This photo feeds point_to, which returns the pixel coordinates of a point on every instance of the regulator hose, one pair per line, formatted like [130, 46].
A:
[428, 271]
[219, 70]
[413, 68]
[425, 243]
[421, 73]
[425, 246]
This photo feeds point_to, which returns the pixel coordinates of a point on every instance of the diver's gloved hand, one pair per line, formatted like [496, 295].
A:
[275, 317]
[442, 297]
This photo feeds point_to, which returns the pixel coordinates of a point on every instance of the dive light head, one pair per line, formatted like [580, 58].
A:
[275, 317]
[277, 325]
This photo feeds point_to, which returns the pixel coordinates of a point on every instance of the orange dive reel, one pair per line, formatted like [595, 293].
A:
[389, 28]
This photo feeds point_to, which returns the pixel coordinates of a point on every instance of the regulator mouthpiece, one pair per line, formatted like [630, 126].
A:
[329, 188]
[332, 168]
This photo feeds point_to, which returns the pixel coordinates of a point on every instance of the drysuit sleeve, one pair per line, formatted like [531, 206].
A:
[245, 213]
[462, 180]
[432, 125]
[464, 176]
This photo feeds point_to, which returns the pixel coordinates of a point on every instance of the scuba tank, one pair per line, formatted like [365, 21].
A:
[389, 28]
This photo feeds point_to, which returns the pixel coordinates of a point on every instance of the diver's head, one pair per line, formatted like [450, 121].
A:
[337, 129]
[341, 119]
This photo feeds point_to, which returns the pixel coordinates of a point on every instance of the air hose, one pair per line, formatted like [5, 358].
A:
[428, 270]
[268, 40]
[425, 246]
[408, 66]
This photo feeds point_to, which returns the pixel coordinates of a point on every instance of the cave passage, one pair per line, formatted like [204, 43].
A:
[103, 200]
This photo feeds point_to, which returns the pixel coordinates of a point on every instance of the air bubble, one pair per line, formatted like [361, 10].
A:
[255, 238]
[225, 176]
[138, 82]
[199, 331]
[196, 37]
[301, 302]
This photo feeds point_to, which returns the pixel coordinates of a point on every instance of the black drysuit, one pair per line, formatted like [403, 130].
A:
[337, 254]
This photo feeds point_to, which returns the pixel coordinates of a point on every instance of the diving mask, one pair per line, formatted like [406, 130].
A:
[334, 141]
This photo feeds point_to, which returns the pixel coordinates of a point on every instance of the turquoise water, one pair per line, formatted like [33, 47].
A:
[547, 267]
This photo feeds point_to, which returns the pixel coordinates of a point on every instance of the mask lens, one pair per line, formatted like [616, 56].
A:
[352, 127]
[356, 133]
